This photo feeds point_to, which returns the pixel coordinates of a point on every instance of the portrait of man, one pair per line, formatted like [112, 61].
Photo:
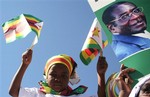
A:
[127, 23]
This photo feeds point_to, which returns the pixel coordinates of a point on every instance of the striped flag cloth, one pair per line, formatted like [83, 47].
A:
[20, 26]
[93, 43]
[35, 23]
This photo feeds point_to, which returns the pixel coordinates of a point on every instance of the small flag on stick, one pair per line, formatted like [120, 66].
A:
[16, 28]
[20, 26]
[93, 43]
[35, 23]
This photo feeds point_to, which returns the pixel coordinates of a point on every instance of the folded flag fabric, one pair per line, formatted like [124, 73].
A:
[105, 43]
[20, 26]
[93, 43]
[35, 23]
[16, 28]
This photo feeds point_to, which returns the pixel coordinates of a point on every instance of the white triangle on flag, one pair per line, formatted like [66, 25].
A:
[39, 25]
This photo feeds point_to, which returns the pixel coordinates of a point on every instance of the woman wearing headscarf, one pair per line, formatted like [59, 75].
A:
[58, 72]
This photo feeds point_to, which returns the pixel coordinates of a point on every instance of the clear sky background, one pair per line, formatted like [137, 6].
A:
[66, 26]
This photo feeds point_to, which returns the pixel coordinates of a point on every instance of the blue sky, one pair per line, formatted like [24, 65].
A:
[66, 25]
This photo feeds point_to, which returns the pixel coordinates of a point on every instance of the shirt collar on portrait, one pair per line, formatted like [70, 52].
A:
[146, 34]
[130, 39]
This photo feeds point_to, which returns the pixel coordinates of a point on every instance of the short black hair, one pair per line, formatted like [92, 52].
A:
[107, 14]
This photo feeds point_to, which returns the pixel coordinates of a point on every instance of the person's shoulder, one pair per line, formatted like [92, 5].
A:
[122, 50]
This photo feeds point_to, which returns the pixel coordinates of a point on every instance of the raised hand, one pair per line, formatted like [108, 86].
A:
[124, 81]
[27, 57]
[102, 64]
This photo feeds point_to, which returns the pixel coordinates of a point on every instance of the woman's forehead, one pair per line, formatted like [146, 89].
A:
[58, 66]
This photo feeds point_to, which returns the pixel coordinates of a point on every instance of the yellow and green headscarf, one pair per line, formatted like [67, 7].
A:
[63, 59]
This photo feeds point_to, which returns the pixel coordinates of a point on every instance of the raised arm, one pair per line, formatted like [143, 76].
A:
[16, 81]
[101, 70]
[124, 81]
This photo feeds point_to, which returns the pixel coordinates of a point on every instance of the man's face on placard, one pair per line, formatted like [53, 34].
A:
[128, 19]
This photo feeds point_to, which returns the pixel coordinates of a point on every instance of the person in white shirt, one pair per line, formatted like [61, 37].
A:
[59, 71]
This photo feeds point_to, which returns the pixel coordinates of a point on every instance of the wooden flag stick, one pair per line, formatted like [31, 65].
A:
[34, 42]
[101, 52]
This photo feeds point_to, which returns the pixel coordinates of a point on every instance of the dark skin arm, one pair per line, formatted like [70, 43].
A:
[16, 82]
[124, 81]
[101, 70]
